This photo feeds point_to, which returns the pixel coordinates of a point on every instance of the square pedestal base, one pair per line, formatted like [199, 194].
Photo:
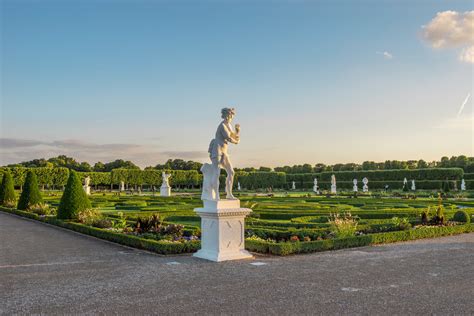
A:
[223, 231]
[165, 191]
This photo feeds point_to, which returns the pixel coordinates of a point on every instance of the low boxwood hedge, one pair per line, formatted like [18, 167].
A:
[287, 248]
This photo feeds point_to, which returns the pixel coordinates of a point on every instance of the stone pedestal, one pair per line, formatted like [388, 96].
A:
[222, 230]
[87, 189]
[333, 189]
[365, 188]
[165, 191]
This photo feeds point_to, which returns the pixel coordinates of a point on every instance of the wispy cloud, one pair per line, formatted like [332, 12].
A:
[385, 54]
[16, 150]
[450, 29]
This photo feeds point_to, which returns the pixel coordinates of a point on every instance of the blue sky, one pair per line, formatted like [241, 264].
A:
[145, 80]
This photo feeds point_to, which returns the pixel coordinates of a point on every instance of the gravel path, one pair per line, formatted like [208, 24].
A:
[44, 269]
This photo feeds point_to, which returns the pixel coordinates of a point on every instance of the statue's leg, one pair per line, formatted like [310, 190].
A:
[230, 177]
[216, 170]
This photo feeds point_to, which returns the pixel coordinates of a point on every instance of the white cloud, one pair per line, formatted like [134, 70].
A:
[385, 54]
[17, 150]
[449, 29]
[467, 55]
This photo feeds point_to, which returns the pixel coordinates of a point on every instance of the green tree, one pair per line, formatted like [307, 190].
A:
[99, 167]
[74, 198]
[31, 194]
[7, 191]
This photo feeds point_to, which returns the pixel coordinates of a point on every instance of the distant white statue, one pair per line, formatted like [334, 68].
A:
[238, 186]
[355, 188]
[463, 185]
[413, 186]
[86, 186]
[122, 186]
[333, 184]
[165, 189]
[225, 134]
[293, 185]
[365, 188]
[315, 186]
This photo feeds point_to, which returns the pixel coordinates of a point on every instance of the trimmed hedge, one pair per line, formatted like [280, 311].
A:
[462, 216]
[287, 248]
[378, 185]
[469, 176]
[74, 198]
[30, 194]
[7, 191]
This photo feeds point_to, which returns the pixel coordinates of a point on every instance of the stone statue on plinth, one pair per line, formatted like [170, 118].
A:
[333, 184]
[222, 220]
[165, 189]
[315, 186]
[355, 188]
[87, 188]
[365, 188]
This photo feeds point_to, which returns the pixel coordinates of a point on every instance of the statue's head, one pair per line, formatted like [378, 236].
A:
[228, 113]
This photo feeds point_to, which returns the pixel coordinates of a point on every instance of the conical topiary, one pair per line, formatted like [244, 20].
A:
[7, 191]
[74, 198]
[31, 194]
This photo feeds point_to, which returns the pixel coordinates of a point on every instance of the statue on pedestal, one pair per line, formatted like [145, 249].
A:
[165, 189]
[222, 221]
[333, 184]
[315, 186]
[413, 187]
[225, 134]
[365, 188]
[463, 185]
[355, 188]
[86, 187]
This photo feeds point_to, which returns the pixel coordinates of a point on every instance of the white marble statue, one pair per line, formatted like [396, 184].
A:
[315, 186]
[238, 186]
[87, 188]
[463, 185]
[165, 189]
[365, 188]
[355, 188]
[413, 187]
[293, 185]
[222, 221]
[225, 134]
[333, 184]
[122, 186]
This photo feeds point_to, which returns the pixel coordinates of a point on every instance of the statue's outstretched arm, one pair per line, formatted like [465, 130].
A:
[230, 136]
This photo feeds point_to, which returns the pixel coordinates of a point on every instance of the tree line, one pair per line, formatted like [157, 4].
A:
[462, 161]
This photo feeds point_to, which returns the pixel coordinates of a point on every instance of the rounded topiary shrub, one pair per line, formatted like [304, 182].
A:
[462, 216]
[7, 191]
[31, 194]
[74, 198]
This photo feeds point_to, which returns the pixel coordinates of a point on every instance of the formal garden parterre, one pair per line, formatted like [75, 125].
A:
[282, 222]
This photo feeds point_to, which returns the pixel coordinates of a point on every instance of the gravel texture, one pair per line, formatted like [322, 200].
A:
[48, 270]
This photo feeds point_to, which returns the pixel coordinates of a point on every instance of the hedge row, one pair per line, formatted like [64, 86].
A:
[158, 246]
[381, 175]
[380, 185]
[287, 248]
[469, 176]
[57, 177]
